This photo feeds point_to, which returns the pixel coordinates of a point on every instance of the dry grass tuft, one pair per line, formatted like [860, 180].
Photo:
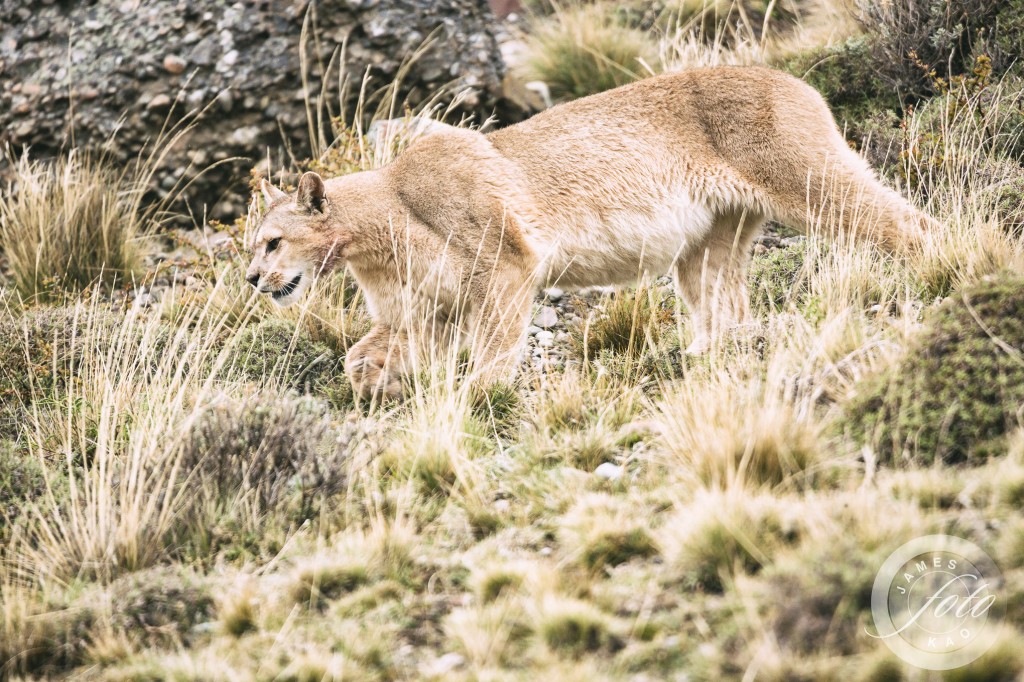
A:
[583, 50]
[72, 222]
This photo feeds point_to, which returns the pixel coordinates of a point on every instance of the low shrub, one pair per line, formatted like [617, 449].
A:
[820, 600]
[775, 277]
[23, 482]
[920, 44]
[269, 447]
[45, 347]
[160, 606]
[960, 386]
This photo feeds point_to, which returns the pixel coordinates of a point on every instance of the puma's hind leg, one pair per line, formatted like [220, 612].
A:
[712, 277]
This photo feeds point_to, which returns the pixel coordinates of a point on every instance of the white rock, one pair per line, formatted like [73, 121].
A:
[546, 317]
[448, 663]
[553, 294]
[533, 330]
[545, 339]
[144, 300]
[609, 471]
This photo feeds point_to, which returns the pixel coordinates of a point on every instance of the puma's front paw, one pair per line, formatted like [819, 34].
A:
[700, 345]
[372, 376]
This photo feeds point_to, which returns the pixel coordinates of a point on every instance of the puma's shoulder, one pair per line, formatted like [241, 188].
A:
[455, 170]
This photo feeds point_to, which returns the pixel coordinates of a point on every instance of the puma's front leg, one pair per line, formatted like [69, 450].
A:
[500, 315]
[376, 364]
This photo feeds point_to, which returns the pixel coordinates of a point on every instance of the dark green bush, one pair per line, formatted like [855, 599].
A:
[919, 44]
[1007, 36]
[846, 76]
[960, 388]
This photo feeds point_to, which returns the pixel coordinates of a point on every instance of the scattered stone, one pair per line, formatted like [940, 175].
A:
[546, 317]
[446, 664]
[144, 300]
[609, 471]
[161, 101]
[545, 339]
[174, 64]
[553, 294]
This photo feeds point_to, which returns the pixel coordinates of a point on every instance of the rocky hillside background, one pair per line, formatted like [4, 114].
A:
[83, 73]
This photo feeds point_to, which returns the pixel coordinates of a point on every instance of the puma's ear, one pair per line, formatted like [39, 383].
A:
[270, 193]
[311, 193]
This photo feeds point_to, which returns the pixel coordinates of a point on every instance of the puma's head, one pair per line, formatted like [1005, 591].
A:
[291, 244]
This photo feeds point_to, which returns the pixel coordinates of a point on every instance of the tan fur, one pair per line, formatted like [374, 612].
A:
[674, 173]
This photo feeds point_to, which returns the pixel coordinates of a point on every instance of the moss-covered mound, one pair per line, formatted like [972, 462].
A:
[277, 350]
[960, 387]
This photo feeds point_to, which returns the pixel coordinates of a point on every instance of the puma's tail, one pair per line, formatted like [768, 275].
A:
[849, 201]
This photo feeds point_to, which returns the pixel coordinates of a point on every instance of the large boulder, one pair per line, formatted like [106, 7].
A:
[95, 67]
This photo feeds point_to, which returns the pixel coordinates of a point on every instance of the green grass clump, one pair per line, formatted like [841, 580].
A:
[960, 386]
[723, 535]
[774, 277]
[575, 628]
[318, 581]
[495, 582]
[611, 547]
[630, 324]
[582, 51]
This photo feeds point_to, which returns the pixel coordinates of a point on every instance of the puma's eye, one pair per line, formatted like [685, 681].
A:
[273, 244]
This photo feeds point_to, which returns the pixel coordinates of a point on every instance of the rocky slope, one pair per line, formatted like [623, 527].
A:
[79, 72]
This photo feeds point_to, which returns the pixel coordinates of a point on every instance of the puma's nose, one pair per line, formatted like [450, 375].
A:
[253, 280]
